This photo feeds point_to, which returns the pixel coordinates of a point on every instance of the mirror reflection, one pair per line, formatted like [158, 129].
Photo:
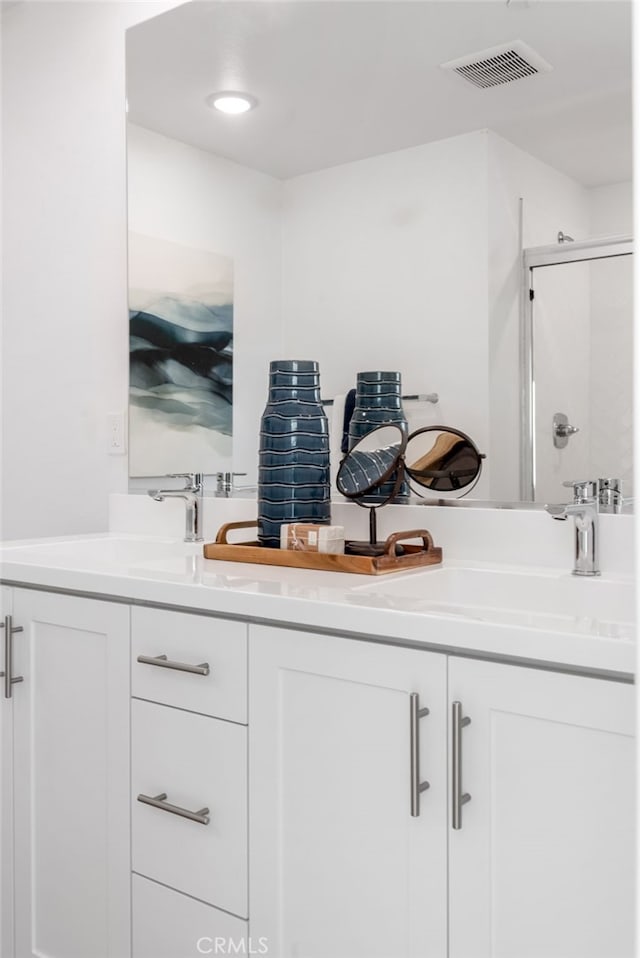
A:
[371, 209]
[583, 372]
[442, 460]
[371, 462]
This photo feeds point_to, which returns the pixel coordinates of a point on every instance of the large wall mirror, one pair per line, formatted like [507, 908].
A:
[370, 211]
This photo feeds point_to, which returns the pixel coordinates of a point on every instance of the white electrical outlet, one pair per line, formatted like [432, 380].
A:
[116, 434]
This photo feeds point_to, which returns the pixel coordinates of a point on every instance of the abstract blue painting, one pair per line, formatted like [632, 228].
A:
[181, 358]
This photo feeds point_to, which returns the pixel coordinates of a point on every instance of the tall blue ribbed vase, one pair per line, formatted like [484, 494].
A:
[378, 403]
[293, 472]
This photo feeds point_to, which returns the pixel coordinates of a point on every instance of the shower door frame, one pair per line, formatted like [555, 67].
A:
[535, 257]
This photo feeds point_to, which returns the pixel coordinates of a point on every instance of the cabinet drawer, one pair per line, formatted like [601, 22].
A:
[197, 762]
[191, 640]
[167, 924]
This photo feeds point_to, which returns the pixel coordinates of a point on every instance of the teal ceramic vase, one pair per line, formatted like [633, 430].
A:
[379, 402]
[293, 471]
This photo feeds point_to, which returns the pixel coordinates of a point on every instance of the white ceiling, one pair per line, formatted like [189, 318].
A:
[339, 81]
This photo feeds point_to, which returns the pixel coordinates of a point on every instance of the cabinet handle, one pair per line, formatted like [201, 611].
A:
[160, 801]
[9, 679]
[415, 714]
[164, 663]
[459, 799]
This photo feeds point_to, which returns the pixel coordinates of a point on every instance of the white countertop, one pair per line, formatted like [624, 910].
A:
[416, 607]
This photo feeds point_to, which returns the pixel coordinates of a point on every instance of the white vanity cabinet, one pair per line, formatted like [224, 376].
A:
[541, 861]
[543, 864]
[339, 867]
[71, 777]
[310, 826]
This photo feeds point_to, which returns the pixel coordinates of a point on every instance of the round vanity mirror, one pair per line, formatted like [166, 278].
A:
[442, 460]
[370, 463]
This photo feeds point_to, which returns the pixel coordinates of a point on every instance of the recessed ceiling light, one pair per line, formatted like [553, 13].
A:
[230, 101]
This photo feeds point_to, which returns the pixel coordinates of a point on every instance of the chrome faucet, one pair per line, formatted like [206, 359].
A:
[584, 510]
[192, 495]
[224, 483]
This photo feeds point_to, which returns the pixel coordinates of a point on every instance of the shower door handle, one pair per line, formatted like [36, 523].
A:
[562, 430]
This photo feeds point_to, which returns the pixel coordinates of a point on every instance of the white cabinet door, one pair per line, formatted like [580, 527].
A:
[6, 796]
[339, 868]
[71, 770]
[543, 865]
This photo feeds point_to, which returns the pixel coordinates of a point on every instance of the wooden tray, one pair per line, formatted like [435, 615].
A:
[414, 556]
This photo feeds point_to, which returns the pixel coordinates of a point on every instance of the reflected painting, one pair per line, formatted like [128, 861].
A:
[181, 358]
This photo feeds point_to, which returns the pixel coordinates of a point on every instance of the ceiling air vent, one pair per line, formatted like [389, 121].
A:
[498, 65]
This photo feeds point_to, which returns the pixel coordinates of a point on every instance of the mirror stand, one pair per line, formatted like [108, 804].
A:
[372, 547]
[374, 459]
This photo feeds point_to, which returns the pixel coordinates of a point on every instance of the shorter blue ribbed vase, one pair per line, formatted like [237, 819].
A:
[293, 470]
[378, 403]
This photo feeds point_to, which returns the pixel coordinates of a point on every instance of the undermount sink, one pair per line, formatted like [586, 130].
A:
[111, 550]
[523, 593]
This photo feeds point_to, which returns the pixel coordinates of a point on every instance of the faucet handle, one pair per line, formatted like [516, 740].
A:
[583, 489]
[612, 485]
[224, 485]
[193, 479]
[610, 495]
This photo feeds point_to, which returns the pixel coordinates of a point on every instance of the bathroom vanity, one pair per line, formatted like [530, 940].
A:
[209, 758]
[266, 782]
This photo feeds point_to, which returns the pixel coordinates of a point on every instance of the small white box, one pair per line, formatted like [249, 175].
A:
[311, 537]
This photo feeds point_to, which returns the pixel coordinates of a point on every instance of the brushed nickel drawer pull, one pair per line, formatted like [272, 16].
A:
[9, 631]
[160, 801]
[417, 787]
[458, 798]
[164, 663]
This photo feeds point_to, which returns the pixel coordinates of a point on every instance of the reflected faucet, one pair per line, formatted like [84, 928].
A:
[224, 483]
[193, 501]
[584, 510]
[610, 495]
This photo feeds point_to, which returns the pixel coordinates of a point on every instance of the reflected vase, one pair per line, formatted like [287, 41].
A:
[293, 469]
[379, 402]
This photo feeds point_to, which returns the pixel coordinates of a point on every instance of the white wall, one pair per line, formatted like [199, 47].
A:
[385, 267]
[64, 261]
[551, 202]
[611, 209]
[189, 197]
